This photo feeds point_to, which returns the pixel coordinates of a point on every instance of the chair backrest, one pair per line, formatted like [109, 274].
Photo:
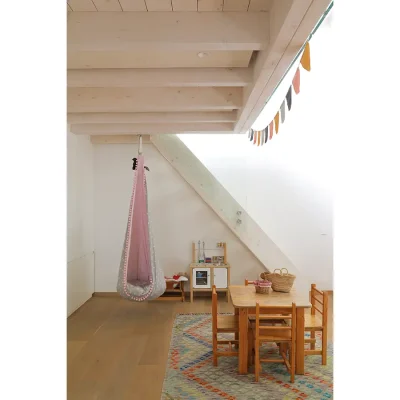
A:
[319, 302]
[214, 308]
[272, 312]
[247, 282]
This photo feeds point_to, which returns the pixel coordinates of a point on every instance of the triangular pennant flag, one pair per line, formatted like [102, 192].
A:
[283, 110]
[306, 58]
[296, 81]
[262, 137]
[266, 134]
[289, 98]
[276, 120]
[255, 137]
[258, 138]
[271, 129]
[251, 134]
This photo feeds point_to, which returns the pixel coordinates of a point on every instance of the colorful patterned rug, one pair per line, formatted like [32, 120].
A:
[191, 375]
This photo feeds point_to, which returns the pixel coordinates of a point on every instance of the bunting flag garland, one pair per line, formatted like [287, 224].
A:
[261, 137]
[276, 120]
[296, 81]
[289, 98]
[305, 60]
[283, 110]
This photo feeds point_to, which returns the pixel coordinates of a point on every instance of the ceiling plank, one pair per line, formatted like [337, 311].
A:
[109, 129]
[179, 77]
[184, 31]
[133, 5]
[119, 139]
[260, 5]
[152, 99]
[159, 5]
[184, 5]
[149, 117]
[158, 59]
[82, 5]
[291, 23]
[210, 5]
[236, 5]
[107, 5]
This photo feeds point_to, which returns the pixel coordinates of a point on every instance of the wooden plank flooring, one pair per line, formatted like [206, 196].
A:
[118, 349]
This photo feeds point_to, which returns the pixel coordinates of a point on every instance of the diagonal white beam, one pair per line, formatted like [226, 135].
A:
[221, 201]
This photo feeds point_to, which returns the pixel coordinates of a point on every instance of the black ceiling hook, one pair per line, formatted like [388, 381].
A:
[135, 164]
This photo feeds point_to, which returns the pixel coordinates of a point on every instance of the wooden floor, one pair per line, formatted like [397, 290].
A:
[118, 350]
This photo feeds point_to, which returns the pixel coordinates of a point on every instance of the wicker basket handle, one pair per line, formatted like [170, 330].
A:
[277, 269]
[287, 272]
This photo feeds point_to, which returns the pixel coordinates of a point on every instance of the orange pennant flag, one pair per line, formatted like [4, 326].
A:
[296, 81]
[271, 129]
[306, 58]
[276, 119]
[258, 138]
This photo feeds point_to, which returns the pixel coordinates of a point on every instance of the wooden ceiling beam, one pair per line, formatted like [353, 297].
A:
[183, 31]
[150, 117]
[120, 129]
[159, 77]
[152, 99]
[119, 139]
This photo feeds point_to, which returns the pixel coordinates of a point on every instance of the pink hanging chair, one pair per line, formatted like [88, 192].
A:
[140, 277]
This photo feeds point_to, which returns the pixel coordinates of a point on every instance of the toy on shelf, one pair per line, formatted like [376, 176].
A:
[199, 254]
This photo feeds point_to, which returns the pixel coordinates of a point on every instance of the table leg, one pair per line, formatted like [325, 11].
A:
[243, 327]
[300, 341]
[237, 333]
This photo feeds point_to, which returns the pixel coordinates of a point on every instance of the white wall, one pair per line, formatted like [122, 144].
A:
[286, 185]
[80, 244]
[178, 216]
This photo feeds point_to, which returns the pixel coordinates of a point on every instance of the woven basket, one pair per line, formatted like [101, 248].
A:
[281, 282]
[263, 289]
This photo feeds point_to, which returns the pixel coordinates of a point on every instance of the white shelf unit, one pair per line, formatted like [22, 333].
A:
[204, 275]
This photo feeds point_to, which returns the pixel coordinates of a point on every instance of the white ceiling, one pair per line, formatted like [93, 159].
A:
[134, 66]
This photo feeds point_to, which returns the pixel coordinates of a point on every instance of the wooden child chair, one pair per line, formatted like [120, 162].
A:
[282, 334]
[317, 323]
[223, 324]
